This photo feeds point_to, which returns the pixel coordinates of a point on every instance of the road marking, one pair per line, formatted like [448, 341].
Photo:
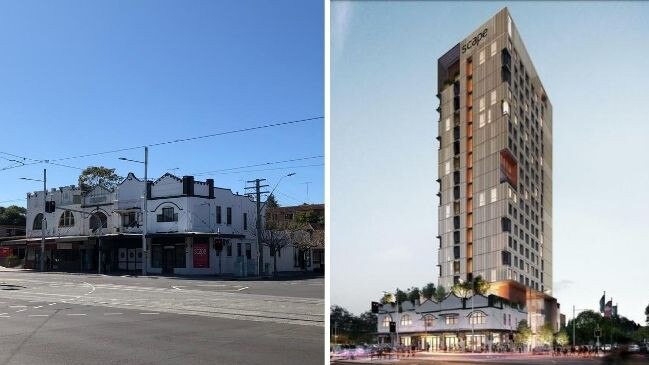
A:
[5, 316]
[52, 304]
[176, 287]
[17, 306]
[21, 310]
[149, 313]
[38, 315]
[240, 289]
[75, 314]
[112, 314]
[40, 306]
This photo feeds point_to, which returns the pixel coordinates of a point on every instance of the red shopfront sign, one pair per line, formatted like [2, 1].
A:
[5, 251]
[201, 255]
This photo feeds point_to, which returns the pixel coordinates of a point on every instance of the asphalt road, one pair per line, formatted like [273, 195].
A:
[89, 319]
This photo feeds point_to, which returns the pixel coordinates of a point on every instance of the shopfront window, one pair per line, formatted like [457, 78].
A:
[180, 256]
[156, 256]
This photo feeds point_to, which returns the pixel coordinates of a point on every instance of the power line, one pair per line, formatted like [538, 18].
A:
[271, 169]
[241, 130]
[257, 165]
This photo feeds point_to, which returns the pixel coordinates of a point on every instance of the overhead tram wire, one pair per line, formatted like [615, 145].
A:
[257, 165]
[188, 139]
[271, 169]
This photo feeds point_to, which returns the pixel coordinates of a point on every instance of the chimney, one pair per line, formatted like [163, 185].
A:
[188, 185]
[210, 187]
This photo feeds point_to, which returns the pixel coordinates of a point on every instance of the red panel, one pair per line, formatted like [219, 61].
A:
[5, 251]
[201, 255]
[508, 168]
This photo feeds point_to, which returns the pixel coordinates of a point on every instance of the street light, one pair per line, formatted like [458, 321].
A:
[145, 258]
[44, 181]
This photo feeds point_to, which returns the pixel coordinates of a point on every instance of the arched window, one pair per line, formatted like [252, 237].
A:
[67, 219]
[429, 320]
[406, 320]
[386, 321]
[98, 218]
[168, 215]
[38, 221]
[477, 318]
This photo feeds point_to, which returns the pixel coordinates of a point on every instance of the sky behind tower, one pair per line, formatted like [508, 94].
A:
[591, 59]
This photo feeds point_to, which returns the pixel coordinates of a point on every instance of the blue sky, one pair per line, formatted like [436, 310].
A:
[80, 77]
[592, 59]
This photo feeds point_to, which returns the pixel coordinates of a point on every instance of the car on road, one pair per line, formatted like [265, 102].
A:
[634, 347]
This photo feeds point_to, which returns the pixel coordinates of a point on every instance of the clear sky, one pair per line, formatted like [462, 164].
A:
[80, 77]
[592, 59]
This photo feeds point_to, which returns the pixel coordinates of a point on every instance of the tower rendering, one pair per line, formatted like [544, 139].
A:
[495, 166]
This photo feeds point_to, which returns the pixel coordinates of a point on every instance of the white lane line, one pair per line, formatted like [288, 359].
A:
[21, 310]
[176, 287]
[112, 314]
[149, 313]
[40, 306]
[5, 316]
[38, 315]
[52, 304]
[240, 289]
[75, 314]
[17, 306]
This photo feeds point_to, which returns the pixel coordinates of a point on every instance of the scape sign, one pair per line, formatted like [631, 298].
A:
[474, 41]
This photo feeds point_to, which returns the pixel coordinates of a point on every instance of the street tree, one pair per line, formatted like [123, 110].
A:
[305, 238]
[93, 176]
[13, 215]
[480, 286]
[562, 338]
[646, 313]
[524, 334]
[387, 298]
[275, 239]
[428, 291]
[462, 289]
[546, 334]
[271, 202]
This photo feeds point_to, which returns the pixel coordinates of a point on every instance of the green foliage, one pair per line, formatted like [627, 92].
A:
[414, 294]
[13, 215]
[355, 329]
[617, 329]
[428, 291]
[480, 286]
[546, 334]
[562, 338]
[523, 335]
[309, 217]
[440, 293]
[462, 289]
[271, 202]
[387, 298]
[93, 176]
[400, 296]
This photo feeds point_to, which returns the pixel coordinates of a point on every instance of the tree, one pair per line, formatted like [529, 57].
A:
[428, 291]
[462, 289]
[13, 215]
[414, 294]
[304, 239]
[546, 334]
[93, 176]
[275, 239]
[400, 296]
[309, 216]
[523, 334]
[387, 298]
[271, 202]
[351, 328]
[480, 286]
[440, 293]
[646, 313]
[562, 338]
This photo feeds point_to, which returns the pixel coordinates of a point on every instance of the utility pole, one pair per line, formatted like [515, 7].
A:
[258, 192]
[42, 263]
[145, 256]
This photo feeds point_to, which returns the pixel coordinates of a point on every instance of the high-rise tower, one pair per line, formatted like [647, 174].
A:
[495, 164]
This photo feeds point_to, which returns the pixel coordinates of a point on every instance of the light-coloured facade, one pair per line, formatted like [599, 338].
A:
[495, 167]
[453, 324]
[193, 228]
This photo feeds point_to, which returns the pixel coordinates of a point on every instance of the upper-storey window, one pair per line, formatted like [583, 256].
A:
[168, 215]
[228, 215]
[429, 320]
[493, 48]
[386, 321]
[38, 221]
[493, 97]
[509, 25]
[406, 320]
[218, 214]
[477, 318]
[481, 103]
[451, 319]
[66, 219]
[482, 57]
